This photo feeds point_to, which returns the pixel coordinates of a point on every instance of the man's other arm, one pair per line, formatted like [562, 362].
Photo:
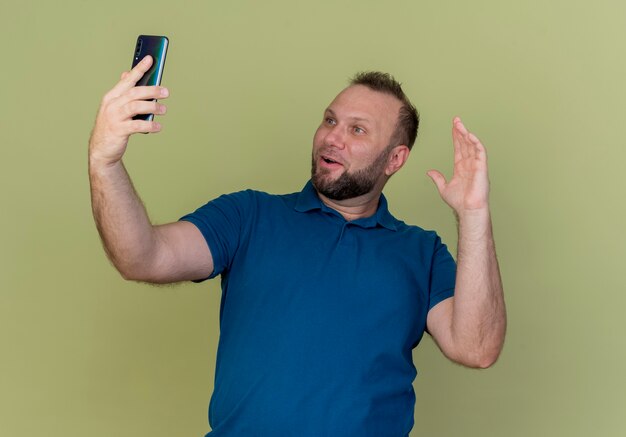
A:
[470, 327]
[140, 251]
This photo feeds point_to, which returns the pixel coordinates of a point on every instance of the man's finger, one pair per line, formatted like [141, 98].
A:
[456, 140]
[142, 126]
[144, 107]
[460, 143]
[463, 137]
[132, 77]
[460, 126]
[479, 150]
[438, 179]
[142, 93]
[139, 70]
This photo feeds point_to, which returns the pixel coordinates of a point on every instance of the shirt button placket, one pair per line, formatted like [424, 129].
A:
[346, 238]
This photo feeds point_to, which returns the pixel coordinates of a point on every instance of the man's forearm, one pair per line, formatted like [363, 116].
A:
[121, 218]
[479, 315]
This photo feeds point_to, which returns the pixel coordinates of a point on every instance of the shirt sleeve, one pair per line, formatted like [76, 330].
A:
[442, 274]
[221, 222]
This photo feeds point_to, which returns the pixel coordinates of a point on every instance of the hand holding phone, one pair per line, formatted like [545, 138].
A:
[128, 109]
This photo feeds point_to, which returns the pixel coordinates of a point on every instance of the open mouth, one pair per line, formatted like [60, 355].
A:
[330, 161]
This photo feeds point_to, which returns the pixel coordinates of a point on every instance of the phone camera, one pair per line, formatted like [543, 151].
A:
[139, 44]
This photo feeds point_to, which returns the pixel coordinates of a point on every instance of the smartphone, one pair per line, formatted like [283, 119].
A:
[155, 46]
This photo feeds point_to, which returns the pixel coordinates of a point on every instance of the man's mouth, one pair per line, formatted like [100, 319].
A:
[330, 161]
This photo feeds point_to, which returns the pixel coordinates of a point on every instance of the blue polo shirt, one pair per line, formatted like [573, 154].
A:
[318, 315]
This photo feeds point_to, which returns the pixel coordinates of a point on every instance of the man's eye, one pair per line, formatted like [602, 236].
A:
[330, 120]
[359, 130]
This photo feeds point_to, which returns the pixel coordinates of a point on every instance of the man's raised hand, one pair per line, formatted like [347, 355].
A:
[468, 190]
[114, 122]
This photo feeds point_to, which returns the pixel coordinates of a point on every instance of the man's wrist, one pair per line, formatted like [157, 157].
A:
[98, 165]
[474, 224]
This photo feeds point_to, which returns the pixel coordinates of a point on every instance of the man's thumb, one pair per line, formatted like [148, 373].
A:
[438, 179]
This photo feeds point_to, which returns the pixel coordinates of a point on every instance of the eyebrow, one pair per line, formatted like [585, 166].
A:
[359, 119]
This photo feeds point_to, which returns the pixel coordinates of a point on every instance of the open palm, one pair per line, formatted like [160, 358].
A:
[469, 187]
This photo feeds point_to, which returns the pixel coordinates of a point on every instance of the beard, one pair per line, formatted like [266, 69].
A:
[349, 185]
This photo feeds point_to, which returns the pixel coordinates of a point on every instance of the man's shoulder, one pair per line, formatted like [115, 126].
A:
[411, 229]
[253, 201]
[254, 195]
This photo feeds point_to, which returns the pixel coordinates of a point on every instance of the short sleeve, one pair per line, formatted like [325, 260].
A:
[221, 222]
[442, 274]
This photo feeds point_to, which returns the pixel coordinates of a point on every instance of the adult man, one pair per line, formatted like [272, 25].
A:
[324, 292]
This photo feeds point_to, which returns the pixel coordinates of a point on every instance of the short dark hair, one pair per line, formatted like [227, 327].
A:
[408, 118]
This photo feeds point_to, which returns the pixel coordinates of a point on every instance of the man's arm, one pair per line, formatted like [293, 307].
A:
[140, 251]
[469, 328]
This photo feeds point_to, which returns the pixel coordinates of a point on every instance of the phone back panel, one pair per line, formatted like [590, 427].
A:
[155, 46]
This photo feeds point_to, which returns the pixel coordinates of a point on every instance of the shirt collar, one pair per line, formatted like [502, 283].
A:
[308, 200]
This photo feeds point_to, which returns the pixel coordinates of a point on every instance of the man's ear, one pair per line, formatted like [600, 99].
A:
[397, 158]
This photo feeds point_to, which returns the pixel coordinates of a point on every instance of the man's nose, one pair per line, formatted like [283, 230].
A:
[335, 137]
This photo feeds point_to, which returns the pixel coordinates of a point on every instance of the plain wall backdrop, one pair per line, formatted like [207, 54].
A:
[540, 82]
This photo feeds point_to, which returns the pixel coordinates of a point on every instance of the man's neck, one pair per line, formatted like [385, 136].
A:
[355, 208]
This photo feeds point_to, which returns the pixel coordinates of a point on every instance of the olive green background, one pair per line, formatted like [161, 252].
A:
[540, 82]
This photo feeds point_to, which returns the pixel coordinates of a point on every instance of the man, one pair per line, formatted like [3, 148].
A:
[325, 294]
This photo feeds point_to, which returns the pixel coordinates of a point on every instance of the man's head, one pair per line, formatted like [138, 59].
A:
[365, 136]
[408, 117]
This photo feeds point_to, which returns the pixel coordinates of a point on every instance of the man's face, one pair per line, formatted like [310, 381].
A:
[350, 147]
